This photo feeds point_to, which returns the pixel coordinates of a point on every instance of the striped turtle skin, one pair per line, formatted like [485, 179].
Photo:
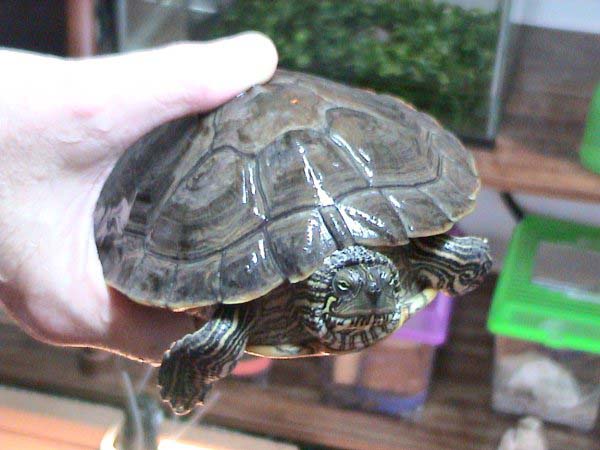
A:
[308, 217]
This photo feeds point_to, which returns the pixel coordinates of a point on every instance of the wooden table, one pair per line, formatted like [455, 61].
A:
[457, 415]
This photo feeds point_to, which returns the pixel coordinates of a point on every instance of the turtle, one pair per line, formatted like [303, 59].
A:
[304, 217]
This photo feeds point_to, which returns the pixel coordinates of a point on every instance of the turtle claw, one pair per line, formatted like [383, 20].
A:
[184, 406]
[179, 383]
[185, 403]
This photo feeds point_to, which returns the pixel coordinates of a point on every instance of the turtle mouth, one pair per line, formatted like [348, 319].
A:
[362, 322]
[364, 313]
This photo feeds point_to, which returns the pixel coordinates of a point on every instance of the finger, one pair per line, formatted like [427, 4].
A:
[125, 96]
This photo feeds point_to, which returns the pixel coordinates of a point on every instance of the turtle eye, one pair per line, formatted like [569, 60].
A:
[342, 285]
[347, 282]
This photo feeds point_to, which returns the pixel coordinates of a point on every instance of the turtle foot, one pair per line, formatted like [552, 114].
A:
[181, 383]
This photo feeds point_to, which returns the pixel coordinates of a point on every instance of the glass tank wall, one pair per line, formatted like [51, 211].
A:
[445, 57]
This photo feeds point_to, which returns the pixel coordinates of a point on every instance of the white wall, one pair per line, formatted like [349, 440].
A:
[572, 15]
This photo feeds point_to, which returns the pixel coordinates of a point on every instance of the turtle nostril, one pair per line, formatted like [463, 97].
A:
[374, 292]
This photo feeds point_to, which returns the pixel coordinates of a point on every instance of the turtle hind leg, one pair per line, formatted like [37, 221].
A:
[453, 264]
[199, 359]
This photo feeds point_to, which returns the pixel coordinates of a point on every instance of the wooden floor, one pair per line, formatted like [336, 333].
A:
[457, 416]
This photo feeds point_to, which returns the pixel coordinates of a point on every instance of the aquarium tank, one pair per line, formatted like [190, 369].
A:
[445, 57]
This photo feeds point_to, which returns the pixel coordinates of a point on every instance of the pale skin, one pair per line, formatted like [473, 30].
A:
[64, 123]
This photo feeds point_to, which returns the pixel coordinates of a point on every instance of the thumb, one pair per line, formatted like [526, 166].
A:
[125, 96]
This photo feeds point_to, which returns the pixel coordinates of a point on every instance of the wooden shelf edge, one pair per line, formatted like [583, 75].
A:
[513, 167]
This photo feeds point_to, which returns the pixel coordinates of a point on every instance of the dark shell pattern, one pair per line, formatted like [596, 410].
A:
[225, 207]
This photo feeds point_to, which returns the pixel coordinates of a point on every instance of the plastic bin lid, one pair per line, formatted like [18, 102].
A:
[549, 289]
[429, 326]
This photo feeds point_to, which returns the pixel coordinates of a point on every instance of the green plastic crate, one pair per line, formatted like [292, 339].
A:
[590, 145]
[527, 307]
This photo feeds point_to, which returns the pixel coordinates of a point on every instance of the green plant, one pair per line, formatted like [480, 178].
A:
[437, 56]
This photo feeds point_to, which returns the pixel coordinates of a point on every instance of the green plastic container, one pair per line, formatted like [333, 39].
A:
[546, 317]
[589, 152]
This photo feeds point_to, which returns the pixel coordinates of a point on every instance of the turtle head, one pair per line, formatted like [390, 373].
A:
[455, 264]
[354, 300]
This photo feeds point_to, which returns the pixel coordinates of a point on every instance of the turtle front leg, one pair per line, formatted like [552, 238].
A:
[450, 263]
[199, 359]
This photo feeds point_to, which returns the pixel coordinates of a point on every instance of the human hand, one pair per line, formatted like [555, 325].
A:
[63, 125]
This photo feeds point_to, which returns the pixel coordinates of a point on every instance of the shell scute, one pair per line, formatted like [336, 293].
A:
[252, 121]
[197, 283]
[153, 280]
[386, 153]
[372, 220]
[248, 270]
[300, 243]
[418, 212]
[214, 205]
[305, 169]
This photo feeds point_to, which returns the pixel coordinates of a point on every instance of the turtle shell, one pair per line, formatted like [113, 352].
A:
[225, 207]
